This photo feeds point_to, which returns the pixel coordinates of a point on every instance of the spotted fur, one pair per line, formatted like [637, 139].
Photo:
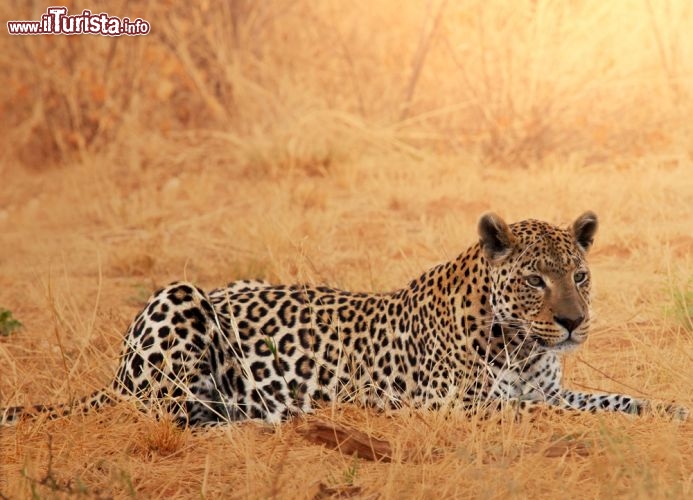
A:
[488, 327]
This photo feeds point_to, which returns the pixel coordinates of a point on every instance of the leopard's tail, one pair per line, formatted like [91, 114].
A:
[98, 399]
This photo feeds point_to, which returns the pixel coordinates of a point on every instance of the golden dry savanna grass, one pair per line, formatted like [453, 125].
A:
[353, 144]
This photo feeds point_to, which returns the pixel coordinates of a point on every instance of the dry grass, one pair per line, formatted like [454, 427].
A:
[351, 143]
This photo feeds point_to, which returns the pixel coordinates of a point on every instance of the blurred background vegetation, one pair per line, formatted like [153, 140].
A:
[304, 85]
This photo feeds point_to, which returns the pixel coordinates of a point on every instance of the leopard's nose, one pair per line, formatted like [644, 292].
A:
[569, 324]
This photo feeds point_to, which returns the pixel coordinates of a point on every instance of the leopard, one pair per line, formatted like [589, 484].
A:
[489, 328]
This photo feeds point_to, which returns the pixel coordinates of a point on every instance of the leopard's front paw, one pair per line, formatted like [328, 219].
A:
[670, 410]
[676, 412]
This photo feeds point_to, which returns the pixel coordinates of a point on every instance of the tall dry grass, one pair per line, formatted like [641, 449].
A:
[355, 144]
[287, 85]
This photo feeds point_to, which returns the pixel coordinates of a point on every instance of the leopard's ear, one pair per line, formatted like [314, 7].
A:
[584, 229]
[496, 239]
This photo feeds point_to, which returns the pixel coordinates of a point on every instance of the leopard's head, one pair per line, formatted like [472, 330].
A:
[540, 280]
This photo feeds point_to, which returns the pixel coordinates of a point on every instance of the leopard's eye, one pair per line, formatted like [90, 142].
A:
[580, 276]
[536, 281]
